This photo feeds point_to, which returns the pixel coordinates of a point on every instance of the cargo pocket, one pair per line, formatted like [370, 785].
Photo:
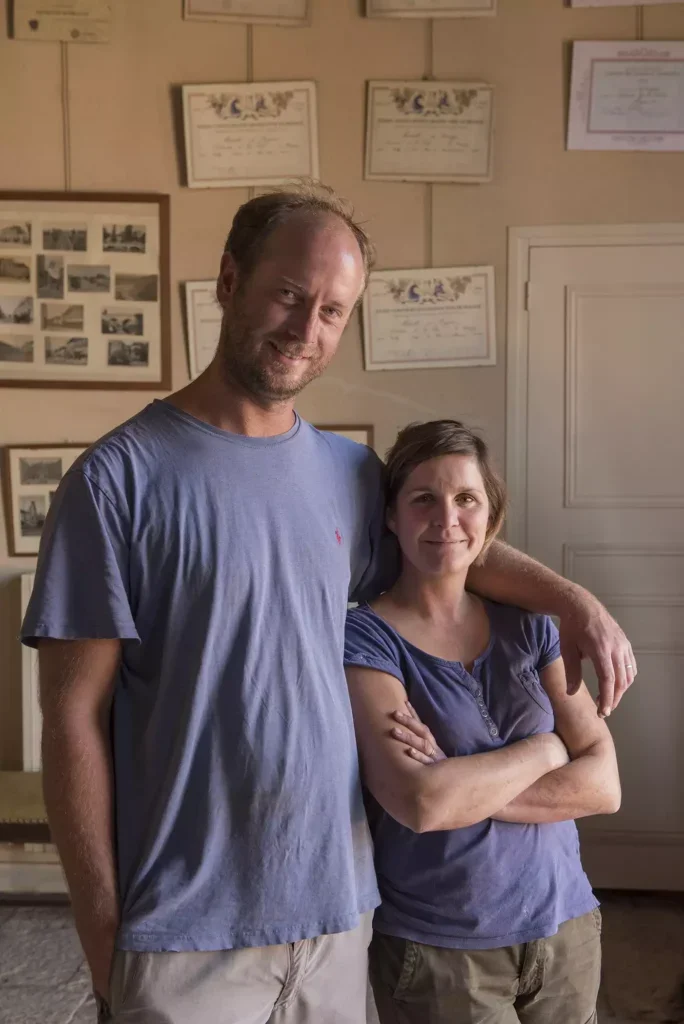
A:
[408, 969]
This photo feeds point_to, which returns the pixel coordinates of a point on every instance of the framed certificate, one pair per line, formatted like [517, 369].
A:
[204, 317]
[430, 8]
[84, 290]
[620, 3]
[429, 131]
[257, 12]
[262, 133]
[627, 96]
[66, 21]
[420, 319]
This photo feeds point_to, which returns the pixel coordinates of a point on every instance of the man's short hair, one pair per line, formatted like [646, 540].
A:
[256, 219]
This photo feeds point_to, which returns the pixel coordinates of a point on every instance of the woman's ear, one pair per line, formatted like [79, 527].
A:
[390, 518]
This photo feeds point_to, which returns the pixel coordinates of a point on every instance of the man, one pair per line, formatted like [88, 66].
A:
[200, 770]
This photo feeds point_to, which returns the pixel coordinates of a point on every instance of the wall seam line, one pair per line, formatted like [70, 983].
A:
[66, 118]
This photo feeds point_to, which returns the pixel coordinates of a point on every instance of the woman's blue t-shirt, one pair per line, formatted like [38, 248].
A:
[494, 883]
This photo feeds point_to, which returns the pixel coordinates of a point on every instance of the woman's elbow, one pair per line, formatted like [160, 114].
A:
[415, 813]
[430, 816]
[613, 800]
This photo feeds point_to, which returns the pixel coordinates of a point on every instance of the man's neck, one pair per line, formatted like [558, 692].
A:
[221, 403]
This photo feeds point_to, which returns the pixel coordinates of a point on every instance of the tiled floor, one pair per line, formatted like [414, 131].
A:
[43, 979]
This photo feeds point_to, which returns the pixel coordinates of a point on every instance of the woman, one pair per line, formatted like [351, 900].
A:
[486, 915]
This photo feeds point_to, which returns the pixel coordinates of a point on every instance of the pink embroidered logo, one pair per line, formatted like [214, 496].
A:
[338, 536]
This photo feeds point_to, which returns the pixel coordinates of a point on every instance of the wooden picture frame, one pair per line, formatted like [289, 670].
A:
[362, 434]
[30, 475]
[85, 290]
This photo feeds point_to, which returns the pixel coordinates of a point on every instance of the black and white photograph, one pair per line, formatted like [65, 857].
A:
[40, 470]
[32, 512]
[50, 280]
[124, 238]
[66, 238]
[16, 309]
[137, 287]
[13, 268]
[66, 351]
[29, 481]
[78, 270]
[122, 321]
[13, 232]
[16, 348]
[61, 316]
[88, 279]
[128, 353]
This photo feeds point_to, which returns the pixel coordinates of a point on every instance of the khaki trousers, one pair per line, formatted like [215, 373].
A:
[551, 981]
[316, 981]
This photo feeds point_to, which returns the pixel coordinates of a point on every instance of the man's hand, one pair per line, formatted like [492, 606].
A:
[588, 631]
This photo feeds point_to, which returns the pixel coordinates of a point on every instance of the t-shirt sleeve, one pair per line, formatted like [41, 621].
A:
[548, 641]
[382, 566]
[367, 645]
[81, 588]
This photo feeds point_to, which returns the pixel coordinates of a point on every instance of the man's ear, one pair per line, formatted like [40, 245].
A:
[227, 279]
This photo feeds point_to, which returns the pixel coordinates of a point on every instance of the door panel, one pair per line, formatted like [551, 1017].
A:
[605, 505]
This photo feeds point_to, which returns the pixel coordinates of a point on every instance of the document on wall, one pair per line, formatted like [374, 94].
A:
[250, 134]
[627, 96]
[621, 3]
[204, 317]
[429, 8]
[421, 319]
[67, 21]
[429, 131]
[267, 12]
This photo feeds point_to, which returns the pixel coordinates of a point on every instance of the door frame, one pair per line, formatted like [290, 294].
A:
[521, 242]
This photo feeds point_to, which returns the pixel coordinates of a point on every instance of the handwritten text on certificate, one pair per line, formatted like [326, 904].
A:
[429, 131]
[257, 134]
[430, 318]
[627, 96]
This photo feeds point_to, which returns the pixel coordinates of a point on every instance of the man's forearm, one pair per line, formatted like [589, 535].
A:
[588, 785]
[77, 780]
[511, 577]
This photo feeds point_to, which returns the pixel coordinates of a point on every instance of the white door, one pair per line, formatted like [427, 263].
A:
[603, 502]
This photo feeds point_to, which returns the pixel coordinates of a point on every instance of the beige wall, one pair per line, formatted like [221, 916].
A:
[123, 138]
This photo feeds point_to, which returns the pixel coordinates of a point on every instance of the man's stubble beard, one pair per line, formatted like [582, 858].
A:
[238, 354]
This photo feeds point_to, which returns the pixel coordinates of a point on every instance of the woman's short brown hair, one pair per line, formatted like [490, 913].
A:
[419, 442]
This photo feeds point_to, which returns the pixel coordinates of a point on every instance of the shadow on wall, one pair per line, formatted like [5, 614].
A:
[10, 676]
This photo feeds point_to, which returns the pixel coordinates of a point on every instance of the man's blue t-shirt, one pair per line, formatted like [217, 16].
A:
[224, 563]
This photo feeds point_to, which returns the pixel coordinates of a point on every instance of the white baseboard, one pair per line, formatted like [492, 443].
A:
[34, 871]
[626, 859]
